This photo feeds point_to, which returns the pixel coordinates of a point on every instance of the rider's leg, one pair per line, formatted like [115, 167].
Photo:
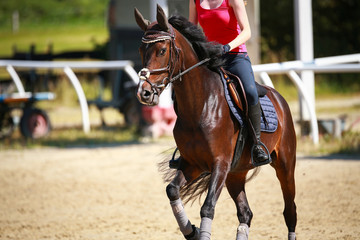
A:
[240, 65]
[255, 118]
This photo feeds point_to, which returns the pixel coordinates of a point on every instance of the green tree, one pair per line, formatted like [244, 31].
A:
[52, 11]
[336, 25]
[277, 31]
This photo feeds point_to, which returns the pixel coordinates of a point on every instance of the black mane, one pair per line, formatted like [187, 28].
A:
[200, 44]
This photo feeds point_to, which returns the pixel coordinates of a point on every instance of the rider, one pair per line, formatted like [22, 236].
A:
[226, 22]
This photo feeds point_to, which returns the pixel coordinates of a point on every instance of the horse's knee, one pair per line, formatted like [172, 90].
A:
[172, 192]
[207, 211]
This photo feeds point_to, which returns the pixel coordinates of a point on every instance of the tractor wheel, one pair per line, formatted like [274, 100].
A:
[35, 123]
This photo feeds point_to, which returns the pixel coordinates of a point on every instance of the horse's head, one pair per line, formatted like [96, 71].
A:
[159, 56]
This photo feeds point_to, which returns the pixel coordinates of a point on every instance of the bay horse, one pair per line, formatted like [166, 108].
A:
[174, 51]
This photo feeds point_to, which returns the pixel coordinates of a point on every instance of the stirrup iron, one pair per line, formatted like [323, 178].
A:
[257, 164]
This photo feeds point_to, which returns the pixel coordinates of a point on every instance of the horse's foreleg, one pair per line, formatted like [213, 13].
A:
[173, 193]
[207, 211]
[285, 173]
[235, 183]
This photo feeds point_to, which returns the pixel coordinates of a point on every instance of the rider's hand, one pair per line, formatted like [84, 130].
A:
[226, 48]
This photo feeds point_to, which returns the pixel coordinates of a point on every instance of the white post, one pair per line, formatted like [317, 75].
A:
[252, 45]
[265, 78]
[162, 3]
[15, 77]
[132, 74]
[82, 99]
[305, 50]
[311, 109]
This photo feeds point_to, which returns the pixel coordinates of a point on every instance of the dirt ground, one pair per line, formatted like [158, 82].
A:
[117, 193]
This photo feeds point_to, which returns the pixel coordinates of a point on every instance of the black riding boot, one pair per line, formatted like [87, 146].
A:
[259, 154]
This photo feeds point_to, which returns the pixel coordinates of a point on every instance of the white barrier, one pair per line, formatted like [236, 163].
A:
[319, 65]
[68, 67]
[16, 79]
[335, 64]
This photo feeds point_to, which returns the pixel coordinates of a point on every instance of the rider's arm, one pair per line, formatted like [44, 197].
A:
[192, 12]
[241, 16]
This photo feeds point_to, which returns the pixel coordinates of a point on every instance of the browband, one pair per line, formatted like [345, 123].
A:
[152, 36]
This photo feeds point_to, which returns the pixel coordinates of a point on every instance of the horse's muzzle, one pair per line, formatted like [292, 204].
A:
[147, 93]
[147, 96]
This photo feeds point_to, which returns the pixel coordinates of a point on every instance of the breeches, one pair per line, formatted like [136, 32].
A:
[240, 65]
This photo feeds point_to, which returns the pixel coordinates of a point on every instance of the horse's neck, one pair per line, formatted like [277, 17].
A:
[197, 90]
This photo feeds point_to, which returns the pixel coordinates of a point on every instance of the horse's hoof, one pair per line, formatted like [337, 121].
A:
[195, 235]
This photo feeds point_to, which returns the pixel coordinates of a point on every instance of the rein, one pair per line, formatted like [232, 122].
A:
[189, 69]
[158, 36]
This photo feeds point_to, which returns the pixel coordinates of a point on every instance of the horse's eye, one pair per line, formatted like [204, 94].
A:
[162, 51]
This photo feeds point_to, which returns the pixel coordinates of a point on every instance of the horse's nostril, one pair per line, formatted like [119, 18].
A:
[146, 94]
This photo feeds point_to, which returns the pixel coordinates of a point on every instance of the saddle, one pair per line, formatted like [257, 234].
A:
[236, 98]
[237, 92]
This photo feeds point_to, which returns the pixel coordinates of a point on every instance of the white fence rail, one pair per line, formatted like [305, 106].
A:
[337, 64]
[346, 63]
[68, 68]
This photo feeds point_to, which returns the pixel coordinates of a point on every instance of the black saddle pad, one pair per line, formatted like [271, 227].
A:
[269, 120]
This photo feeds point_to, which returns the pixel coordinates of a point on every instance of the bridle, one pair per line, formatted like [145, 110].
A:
[152, 36]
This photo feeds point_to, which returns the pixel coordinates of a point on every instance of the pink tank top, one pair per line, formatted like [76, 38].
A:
[220, 24]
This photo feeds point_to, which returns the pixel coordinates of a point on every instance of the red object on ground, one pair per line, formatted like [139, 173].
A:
[161, 120]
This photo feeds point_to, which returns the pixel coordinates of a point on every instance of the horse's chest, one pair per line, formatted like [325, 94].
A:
[199, 137]
[193, 144]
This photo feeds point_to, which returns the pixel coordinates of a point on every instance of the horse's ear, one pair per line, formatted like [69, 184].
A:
[140, 20]
[162, 19]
